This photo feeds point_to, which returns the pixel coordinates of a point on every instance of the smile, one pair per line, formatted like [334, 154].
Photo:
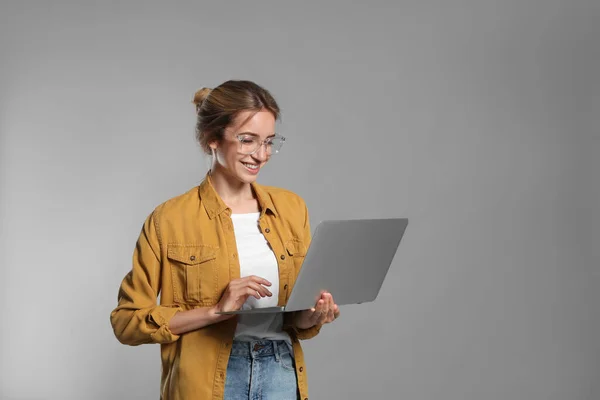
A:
[251, 167]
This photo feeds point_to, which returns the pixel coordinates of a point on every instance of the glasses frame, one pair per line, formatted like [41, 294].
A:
[261, 144]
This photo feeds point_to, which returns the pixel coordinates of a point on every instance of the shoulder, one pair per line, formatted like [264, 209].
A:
[182, 202]
[291, 208]
[283, 197]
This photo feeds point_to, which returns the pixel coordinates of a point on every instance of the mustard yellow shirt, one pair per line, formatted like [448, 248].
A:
[186, 252]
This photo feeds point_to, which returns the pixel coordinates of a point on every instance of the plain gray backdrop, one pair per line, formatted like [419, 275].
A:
[477, 120]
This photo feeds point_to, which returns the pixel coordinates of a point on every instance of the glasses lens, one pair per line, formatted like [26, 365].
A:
[250, 144]
[275, 145]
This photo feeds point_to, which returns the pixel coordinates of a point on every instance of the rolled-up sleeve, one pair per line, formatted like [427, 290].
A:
[301, 334]
[138, 319]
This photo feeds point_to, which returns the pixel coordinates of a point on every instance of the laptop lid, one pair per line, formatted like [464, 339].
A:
[349, 259]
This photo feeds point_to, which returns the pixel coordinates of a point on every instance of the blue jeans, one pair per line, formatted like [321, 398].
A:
[261, 369]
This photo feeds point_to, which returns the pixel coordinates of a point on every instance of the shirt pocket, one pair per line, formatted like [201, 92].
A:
[194, 273]
[296, 249]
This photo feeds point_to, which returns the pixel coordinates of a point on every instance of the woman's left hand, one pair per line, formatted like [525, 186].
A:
[325, 311]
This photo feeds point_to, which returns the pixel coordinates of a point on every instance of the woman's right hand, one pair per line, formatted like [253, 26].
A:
[238, 290]
[234, 297]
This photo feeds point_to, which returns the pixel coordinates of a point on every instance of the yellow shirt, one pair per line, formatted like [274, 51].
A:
[186, 251]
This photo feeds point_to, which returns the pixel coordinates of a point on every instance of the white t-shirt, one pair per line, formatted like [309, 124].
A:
[257, 258]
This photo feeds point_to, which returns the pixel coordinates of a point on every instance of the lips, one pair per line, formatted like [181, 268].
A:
[251, 168]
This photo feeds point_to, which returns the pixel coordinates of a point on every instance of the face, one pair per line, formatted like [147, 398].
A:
[230, 160]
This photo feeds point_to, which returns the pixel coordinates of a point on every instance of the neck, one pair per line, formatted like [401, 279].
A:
[231, 190]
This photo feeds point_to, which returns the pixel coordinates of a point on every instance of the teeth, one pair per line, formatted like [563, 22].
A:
[251, 166]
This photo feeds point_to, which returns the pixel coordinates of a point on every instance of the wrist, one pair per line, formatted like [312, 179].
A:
[213, 316]
[301, 320]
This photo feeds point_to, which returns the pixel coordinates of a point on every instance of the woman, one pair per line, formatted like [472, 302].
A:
[226, 244]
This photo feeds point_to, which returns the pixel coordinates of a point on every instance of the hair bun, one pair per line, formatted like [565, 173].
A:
[200, 96]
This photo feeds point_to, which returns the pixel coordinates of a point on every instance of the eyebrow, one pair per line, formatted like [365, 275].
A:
[255, 134]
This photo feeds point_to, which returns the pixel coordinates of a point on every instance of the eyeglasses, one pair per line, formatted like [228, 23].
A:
[250, 144]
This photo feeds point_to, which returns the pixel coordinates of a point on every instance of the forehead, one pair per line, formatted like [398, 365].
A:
[261, 123]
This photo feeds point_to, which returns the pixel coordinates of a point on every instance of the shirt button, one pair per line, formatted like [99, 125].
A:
[301, 369]
[283, 257]
[192, 258]
[234, 255]
[267, 230]
[285, 286]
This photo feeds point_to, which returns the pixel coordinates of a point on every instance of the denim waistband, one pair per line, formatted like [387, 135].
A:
[259, 348]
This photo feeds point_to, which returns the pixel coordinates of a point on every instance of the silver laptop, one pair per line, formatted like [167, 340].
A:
[347, 258]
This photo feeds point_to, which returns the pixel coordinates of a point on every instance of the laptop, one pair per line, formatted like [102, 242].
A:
[347, 258]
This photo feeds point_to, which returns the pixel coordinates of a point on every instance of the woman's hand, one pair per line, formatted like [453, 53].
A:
[325, 311]
[233, 298]
[238, 290]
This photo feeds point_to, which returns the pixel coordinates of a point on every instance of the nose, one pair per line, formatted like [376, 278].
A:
[261, 153]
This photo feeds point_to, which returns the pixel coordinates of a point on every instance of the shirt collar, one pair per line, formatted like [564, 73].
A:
[214, 205]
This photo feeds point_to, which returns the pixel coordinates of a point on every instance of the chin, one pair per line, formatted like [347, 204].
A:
[245, 177]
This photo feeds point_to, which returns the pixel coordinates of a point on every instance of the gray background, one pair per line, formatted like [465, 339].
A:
[478, 120]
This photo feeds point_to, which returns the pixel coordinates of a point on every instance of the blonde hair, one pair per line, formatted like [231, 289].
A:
[217, 108]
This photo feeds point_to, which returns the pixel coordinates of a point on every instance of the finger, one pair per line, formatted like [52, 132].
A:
[315, 312]
[244, 283]
[331, 313]
[248, 291]
[314, 318]
[331, 301]
[260, 289]
[328, 299]
[322, 318]
[258, 279]
[324, 312]
[336, 311]
[332, 307]
[326, 306]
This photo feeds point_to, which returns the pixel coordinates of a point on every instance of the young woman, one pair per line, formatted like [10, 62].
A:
[227, 244]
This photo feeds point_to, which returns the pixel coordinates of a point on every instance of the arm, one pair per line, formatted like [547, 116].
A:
[137, 319]
[233, 298]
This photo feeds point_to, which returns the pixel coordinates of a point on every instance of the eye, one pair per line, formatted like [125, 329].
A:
[246, 139]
